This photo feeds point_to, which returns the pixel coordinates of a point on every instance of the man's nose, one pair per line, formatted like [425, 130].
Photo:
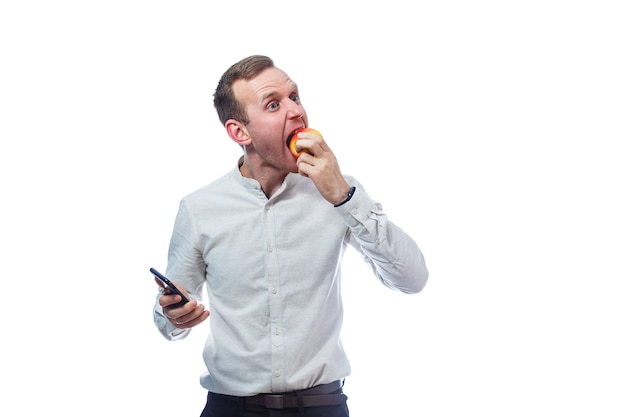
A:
[295, 110]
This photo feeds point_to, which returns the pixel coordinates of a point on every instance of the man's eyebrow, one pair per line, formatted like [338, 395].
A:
[269, 94]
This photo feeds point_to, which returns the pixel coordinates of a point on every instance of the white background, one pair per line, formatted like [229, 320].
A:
[491, 131]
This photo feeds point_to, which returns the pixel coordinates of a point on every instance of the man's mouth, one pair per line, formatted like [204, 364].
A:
[292, 134]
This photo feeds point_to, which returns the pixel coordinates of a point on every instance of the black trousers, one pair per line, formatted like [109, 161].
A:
[227, 406]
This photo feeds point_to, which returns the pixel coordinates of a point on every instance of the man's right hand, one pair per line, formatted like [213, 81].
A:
[183, 316]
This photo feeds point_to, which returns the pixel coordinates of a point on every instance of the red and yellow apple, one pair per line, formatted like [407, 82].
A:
[293, 138]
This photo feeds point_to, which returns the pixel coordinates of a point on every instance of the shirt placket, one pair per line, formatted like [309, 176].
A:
[275, 304]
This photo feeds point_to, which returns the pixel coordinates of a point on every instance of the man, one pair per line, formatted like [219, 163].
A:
[267, 239]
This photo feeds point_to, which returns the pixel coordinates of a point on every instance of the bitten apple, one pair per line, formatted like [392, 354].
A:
[293, 138]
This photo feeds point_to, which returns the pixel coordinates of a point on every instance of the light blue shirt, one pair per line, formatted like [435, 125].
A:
[273, 278]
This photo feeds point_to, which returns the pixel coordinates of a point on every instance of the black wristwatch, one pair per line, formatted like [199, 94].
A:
[350, 194]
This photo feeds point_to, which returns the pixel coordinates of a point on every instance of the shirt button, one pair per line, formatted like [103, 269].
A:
[270, 248]
[354, 211]
[274, 290]
[276, 332]
[277, 373]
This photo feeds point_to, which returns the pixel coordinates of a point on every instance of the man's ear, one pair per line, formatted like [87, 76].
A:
[237, 132]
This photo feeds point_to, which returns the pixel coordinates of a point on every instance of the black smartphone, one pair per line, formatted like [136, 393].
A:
[169, 284]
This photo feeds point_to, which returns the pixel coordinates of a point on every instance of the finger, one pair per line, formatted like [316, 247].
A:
[315, 141]
[167, 299]
[198, 315]
[194, 322]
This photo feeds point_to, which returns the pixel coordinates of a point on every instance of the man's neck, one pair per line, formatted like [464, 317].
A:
[269, 179]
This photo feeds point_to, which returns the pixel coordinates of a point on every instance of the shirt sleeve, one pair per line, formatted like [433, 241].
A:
[185, 266]
[165, 327]
[392, 254]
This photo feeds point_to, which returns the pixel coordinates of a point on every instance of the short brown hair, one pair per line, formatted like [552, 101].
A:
[224, 99]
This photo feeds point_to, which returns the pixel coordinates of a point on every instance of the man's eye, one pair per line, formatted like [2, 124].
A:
[272, 106]
[295, 98]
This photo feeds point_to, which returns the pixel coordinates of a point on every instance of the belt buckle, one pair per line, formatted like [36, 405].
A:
[273, 401]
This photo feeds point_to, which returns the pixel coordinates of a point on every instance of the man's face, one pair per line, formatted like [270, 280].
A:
[274, 110]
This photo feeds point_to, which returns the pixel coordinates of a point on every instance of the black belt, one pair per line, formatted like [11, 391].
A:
[318, 396]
